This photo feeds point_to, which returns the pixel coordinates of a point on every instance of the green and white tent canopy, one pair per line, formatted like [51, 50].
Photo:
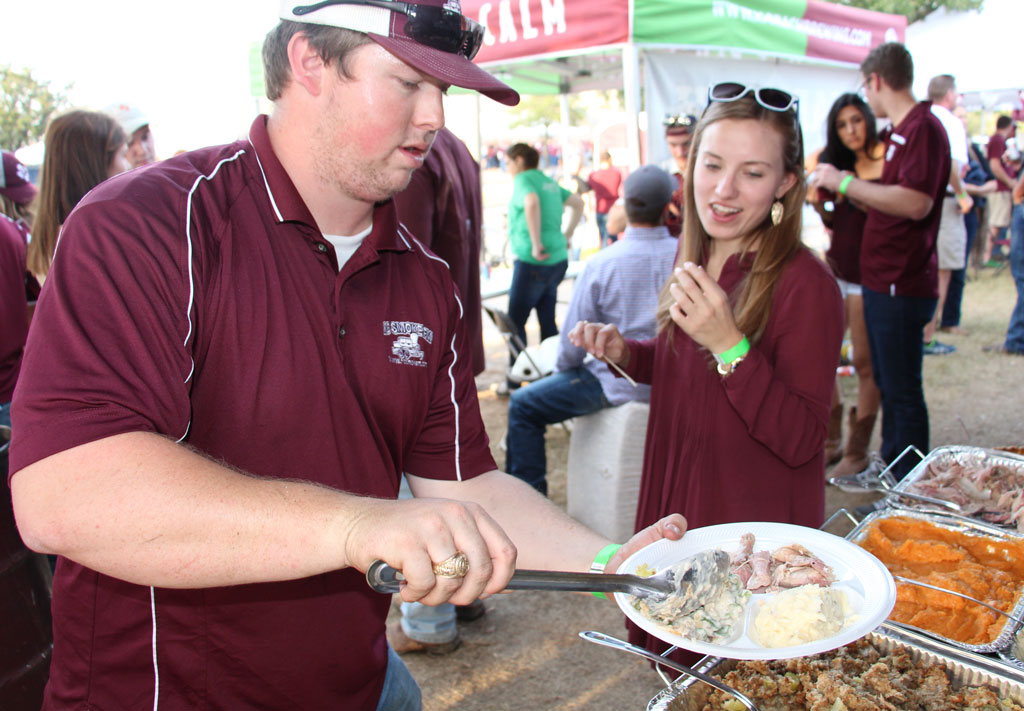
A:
[676, 48]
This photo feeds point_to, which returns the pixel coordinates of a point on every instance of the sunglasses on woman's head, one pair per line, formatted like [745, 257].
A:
[436, 27]
[771, 99]
[680, 121]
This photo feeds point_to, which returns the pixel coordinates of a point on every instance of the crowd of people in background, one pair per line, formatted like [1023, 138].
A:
[355, 435]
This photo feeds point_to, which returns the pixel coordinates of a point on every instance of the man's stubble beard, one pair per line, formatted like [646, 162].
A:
[339, 165]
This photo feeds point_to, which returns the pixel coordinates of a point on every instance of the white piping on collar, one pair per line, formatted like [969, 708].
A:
[270, 195]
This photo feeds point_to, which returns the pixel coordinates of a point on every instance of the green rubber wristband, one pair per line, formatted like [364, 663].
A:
[844, 184]
[737, 351]
[601, 560]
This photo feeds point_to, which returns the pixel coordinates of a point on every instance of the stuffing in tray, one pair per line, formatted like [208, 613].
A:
[856, 677]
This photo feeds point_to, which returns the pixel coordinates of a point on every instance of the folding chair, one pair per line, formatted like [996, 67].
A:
[515, 344]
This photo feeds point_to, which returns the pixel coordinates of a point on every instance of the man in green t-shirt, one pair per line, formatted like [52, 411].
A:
[535, 236]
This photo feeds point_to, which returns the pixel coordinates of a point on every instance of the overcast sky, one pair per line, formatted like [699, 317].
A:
[186, 63]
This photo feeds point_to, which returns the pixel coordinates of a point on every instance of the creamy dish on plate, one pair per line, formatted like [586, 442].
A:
[805, 608]
[714, 620]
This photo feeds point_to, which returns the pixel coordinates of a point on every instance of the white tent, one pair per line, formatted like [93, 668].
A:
[981, 49]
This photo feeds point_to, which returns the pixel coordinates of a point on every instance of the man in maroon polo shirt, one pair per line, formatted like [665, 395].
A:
[16, 189]
[999, 203]
[899, 267]
[211, 428]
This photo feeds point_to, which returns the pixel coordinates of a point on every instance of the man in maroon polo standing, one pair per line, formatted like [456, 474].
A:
[898, 262]
[211, 429]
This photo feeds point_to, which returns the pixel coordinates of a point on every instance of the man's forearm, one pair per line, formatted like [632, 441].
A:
[144, 509]
[546, 537]
[1001, 175]
[893, 200]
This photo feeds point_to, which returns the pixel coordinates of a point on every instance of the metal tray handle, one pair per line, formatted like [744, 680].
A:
[615, 643]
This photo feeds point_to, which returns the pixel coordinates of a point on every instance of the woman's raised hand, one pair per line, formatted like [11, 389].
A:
[702, 309]
[603, 341]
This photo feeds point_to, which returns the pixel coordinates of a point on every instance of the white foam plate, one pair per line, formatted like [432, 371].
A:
[869, 586]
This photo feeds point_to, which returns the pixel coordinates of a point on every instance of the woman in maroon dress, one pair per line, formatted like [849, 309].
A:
[750, 328]
[852, 145]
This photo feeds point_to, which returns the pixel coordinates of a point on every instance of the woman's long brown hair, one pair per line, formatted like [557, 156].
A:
[80, 146]
[752, 302]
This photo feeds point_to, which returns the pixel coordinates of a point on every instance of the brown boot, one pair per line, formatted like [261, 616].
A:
[834, 438]
[404, 644]
[856, 457]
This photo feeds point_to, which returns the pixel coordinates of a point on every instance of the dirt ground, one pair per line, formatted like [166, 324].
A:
[525, 653]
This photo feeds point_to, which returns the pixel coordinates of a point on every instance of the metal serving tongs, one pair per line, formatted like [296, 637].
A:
[886, 481]
[918, 583]
[952, 506]
[615, 643]
[683, 585]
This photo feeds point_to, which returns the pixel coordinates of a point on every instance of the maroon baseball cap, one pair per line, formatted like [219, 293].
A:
[14, 181]
[432, 36]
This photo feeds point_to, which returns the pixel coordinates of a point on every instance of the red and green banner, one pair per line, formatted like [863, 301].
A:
[793, 28]
[801, 28]
[528, 28]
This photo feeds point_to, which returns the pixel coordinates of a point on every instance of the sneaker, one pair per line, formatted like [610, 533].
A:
[863, 511]
[937, 348]
[868, 480]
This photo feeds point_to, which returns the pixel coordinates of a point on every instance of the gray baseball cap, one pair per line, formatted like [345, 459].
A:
[649, 186]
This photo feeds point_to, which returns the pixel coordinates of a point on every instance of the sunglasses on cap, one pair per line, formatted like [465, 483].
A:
[687, 121]
[771, 99]
[436, 27]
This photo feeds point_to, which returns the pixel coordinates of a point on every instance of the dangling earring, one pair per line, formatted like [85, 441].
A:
[777, 211]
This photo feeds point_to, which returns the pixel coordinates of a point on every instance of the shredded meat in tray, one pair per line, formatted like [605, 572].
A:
[856, 677]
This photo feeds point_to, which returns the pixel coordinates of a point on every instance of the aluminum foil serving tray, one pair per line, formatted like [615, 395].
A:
[965, 526]
[962, 667]
[966, 456]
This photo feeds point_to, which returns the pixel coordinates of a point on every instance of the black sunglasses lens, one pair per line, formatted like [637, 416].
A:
[775, 98]
[727, 90]
[444, 30]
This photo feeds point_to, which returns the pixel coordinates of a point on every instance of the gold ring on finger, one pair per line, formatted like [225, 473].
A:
[455, 566]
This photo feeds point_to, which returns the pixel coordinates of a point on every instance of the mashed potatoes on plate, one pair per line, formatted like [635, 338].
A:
[801, 615]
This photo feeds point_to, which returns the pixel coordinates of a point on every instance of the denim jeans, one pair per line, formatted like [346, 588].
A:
[957, 277]
[895, 327]
[556, 398]
[1015, 332]
[5, 414]
[602, 229]
[400, 692]
[534, 286]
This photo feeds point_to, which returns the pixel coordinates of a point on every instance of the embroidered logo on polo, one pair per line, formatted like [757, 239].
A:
[406, 348]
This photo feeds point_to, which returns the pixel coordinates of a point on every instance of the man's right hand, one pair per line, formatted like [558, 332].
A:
[603, 341]
[539, 253]
[412, 535]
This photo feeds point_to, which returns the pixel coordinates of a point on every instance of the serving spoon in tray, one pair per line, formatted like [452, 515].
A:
[920, 584]
[681, 587]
